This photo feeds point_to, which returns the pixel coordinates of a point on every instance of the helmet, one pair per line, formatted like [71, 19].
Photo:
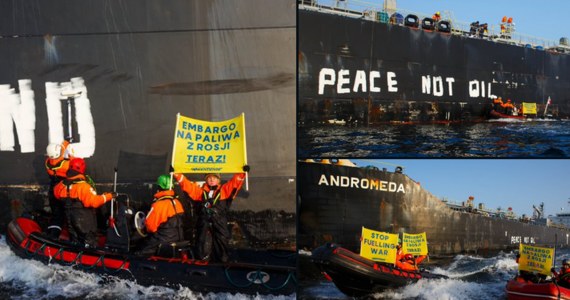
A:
[437, 13]
[212, 174]
[53, 151]
[408, 257]
[164, 182]
[77, 164]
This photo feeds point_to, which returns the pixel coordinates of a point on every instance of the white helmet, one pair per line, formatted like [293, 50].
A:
[53, 151]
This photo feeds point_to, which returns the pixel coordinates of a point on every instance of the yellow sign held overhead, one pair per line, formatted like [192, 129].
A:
[203, 146]
[415, 244]
[528, 108]
[536, 259]
[378, 246]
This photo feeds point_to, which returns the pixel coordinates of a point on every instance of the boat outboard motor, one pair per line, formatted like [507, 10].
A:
[444, 26]
[412, 21]
[119, 235]
[428, 24]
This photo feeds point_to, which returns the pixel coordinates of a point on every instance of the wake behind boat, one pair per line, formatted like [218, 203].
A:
[248, 271]
[357, 276]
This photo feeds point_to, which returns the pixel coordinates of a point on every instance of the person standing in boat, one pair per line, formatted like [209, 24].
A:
[80, 201]
[57, 164]
[212, 215]
[164, 221]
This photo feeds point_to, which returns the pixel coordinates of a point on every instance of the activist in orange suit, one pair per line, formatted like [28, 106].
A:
[212, 220]
[164, 221]
[80, 200]
[57, 165]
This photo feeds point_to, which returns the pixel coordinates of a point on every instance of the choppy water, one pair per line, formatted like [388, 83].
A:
[30, 279]
[505, 138]
[471, 277]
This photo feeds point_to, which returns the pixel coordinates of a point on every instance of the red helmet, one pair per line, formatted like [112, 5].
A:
[409, 257]
[77, 164]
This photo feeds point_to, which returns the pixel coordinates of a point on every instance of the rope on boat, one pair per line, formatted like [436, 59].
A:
[76, 261]
[259, 276]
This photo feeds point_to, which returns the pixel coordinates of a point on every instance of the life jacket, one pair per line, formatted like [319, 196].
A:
[165, 219]
[57, 168]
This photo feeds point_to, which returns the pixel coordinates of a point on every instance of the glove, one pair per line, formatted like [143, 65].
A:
[246, 168]
[178, 176]
[171, 169]
[108, 196]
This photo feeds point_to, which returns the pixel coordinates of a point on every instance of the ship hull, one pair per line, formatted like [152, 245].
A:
[142, 63]
[335, 202]
[370, 72]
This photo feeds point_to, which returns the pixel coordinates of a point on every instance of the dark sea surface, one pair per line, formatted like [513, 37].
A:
[498, 138]
[470, 277]
[30, 279]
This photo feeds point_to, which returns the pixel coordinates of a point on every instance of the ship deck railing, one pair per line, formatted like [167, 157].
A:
[370, 11]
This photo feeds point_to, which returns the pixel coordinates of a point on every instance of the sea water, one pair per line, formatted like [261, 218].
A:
[499, 138]
[470, 277]
[30, 279]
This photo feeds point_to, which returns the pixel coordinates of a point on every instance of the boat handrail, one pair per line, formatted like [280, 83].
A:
[371, 11]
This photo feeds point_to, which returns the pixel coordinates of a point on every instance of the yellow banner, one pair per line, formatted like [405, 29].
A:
[378, 246]
[536, 259]
[203, 147]
[528, 108]
[415, 244]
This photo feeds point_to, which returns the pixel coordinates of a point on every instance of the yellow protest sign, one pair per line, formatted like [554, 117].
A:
[528, 108]
[536, 259]
[415, 244]
[203, 146]
[378, 246]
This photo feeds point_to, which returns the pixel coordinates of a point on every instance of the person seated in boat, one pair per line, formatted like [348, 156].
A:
[407, 262]
[562, 277]
[498, 104]
[508, 107]
[164, 221]
[80, 201]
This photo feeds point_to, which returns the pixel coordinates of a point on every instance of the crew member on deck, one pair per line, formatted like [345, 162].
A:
[164, 221]
[80, 200]
[436, 17]
[57, 164]
[212, 220]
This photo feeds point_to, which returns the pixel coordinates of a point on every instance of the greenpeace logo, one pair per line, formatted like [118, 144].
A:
[362, 183]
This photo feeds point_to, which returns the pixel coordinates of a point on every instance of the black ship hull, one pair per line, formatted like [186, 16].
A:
[363, 71]
[335, 202]
[142, 63]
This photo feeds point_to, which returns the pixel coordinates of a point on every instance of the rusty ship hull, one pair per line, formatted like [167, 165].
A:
[336, 201]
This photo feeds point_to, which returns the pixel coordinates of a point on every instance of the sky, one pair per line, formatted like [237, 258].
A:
[516, 183]
[548, 19]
